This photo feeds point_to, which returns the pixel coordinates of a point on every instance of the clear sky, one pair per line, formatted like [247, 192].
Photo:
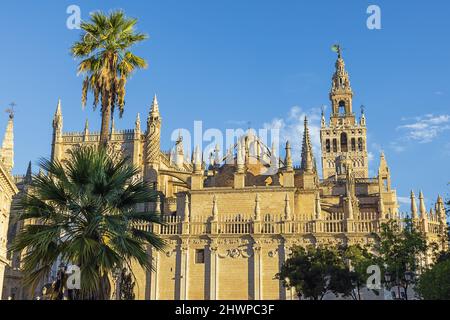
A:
[228, 63]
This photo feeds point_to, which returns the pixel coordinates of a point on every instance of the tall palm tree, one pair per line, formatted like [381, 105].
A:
[84, 212]
[107, 62]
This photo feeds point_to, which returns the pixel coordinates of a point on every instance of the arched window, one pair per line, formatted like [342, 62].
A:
[327, 145]
[334, 145]
[360, 144]
[344, 146]
[342, 107]
[353, 144]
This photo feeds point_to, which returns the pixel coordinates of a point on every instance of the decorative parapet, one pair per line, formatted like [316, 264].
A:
[77, 137]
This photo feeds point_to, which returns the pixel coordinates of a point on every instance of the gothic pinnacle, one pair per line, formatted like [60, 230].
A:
[423, 210]
[288, 160]
[413, 205]
[137, 124]
[58, 118]
[307, 157]
[155, 106]
[29, 174]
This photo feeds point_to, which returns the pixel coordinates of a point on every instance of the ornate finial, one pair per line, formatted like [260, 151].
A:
[362, 109]
[155, 106]
[11, 110]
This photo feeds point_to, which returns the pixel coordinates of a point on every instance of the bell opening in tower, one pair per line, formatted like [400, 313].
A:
[341, 109]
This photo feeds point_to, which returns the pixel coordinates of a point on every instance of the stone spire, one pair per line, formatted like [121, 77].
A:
[307, 154]
[197, 161]
[29, 174]
[423, 213]
[57, 132]
[413, 205]
[317, 207]
[155, 107]
[153, 134]
[288, 160]
[287, 208]
[137, 124]
[7, 151]
[422, 208]
[86, 128]
[257, 208]
[58, 119]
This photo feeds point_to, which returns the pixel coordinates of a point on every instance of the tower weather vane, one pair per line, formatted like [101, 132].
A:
[10, 110]
[338, 49]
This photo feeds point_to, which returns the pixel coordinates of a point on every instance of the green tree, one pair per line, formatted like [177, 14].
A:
[310, 271]
[83, 212]
[400, 251]
[107, 62]
[434, 284]
[352, 279]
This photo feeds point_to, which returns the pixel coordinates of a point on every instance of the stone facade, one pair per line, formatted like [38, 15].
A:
[230, 225]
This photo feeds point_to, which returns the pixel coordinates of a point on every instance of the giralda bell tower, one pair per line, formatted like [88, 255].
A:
[343, 141]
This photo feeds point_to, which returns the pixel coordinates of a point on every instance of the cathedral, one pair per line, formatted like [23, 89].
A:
[229, 224]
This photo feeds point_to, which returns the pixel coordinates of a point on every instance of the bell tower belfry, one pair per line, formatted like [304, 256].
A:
[344, 137]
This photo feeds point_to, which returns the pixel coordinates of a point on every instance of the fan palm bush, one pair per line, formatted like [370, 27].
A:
[84, 212]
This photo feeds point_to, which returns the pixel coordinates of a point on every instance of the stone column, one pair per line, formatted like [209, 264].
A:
[257, 271]
[213, 283]
[184, 272]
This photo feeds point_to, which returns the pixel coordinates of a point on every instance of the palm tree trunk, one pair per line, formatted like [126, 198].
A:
[104, 132]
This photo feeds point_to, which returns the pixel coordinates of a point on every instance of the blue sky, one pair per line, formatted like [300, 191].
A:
[231, 62]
